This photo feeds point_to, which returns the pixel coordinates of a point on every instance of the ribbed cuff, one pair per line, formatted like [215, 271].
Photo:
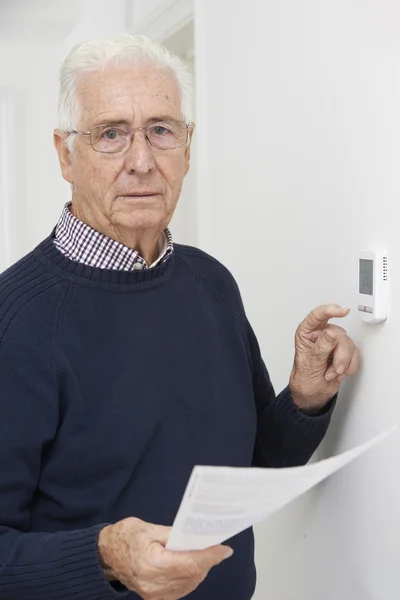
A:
[309, 423]
[62, 566]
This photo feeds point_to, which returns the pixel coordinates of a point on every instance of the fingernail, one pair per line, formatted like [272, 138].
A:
[330, 376]
[228, 554]
[342, 378]
[340, 369]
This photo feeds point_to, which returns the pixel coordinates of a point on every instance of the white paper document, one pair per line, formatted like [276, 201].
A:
[220, 502]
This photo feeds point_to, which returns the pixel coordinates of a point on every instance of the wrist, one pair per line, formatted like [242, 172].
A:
[307, 405]
[104, 553]
[311, 408]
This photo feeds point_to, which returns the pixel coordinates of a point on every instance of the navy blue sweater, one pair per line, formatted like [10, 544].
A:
[113, 385]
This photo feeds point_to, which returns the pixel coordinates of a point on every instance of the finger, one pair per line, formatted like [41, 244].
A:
[342, 355]
[351, 368]
[212, 556]
[341, 358]
[161, 534]
[205, 559]
[319, 317]
[324, 346]
[354, 363]
[334, 331]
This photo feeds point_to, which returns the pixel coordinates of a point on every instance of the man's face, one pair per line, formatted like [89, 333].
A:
[104, 184]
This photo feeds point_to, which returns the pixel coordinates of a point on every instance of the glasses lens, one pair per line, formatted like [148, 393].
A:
[167, 135]
[110, 138]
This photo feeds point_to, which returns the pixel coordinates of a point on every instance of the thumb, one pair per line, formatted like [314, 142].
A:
[162, 534]
[212, 556]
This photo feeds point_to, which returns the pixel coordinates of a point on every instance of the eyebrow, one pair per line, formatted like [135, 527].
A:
[162, 118]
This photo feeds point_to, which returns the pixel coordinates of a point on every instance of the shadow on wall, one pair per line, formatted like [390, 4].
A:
[332, 442]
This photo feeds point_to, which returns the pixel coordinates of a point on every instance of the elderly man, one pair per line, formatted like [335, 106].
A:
[126, 359]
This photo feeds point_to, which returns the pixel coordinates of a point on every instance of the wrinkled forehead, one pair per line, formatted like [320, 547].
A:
[130, 93]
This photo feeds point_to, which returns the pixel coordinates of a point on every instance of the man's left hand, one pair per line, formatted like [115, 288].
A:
[325, 355]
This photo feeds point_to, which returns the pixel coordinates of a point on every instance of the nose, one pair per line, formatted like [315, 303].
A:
[139, 158]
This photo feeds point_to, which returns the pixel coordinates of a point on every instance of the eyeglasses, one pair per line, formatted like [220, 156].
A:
[163, 135]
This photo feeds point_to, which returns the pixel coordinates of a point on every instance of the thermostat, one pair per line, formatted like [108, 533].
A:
[372, 285]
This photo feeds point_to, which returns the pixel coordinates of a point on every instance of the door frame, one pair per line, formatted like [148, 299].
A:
[168, 18]
[163, 21]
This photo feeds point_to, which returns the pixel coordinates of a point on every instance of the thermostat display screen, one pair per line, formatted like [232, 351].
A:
[366, 277]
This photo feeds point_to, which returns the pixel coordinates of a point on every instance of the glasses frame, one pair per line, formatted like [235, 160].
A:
[189, 126]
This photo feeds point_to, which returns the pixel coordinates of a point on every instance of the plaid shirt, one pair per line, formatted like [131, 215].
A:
[85, 245]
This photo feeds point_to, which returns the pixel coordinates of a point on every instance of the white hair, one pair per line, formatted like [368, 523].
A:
[95, 55]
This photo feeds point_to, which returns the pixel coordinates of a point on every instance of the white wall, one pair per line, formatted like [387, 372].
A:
[300, 126]
[158, 19]
[98, 18]
[144, 9]
[8, 168]
[30, 59]
[30, 71]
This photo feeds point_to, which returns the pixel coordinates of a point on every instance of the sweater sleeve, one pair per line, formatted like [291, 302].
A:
[34, 565]
[286, 437]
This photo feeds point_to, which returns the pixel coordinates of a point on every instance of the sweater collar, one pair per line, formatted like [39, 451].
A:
[108, 279]
[81, 243]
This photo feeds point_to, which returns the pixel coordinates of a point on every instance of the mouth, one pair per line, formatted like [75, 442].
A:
[139, 195]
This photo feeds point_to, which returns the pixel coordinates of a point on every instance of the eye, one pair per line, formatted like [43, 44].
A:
[160, 130]
[111, 134]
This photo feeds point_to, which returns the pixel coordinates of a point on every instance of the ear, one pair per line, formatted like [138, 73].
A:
[64, 155]
[188, 148]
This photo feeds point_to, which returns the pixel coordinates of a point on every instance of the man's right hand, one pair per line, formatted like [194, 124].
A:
[133, 552]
